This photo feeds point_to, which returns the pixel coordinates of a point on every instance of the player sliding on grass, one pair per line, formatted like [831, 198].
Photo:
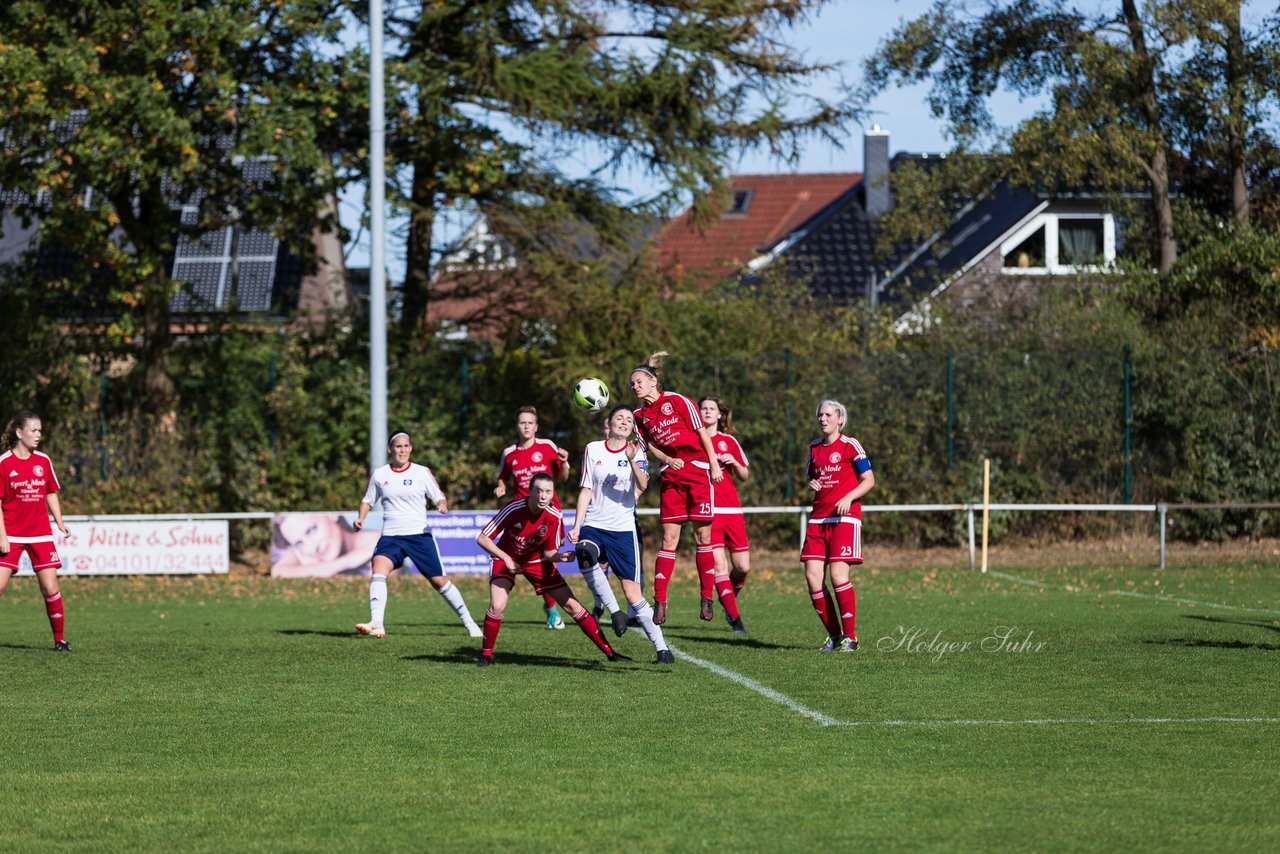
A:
[403, 488]
[29, 487]
[671, 432]
[524, 538]
[839, 474]
[614, 472]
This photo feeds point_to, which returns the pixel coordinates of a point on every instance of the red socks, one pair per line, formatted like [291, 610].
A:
[491, 626]
[53, 607]
[848, 609]
[728, 599]
[663, 568]
[826, 612]
[591, 629]
[548, 601]
[704, 558]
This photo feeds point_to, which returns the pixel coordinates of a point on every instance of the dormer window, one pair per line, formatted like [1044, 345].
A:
[1060, 244]
[739, 201]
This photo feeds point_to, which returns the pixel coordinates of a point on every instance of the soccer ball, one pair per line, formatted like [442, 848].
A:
[591, 394]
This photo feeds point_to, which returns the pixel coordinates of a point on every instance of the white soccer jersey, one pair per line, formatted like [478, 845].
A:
[403, 495]
[613, 487]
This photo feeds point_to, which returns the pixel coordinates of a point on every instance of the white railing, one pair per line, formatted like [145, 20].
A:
[970, 510]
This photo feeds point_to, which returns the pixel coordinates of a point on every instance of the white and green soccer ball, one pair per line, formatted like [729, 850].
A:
[591, 394]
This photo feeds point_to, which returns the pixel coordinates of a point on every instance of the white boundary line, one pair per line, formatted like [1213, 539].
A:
[826, 720]
[1134, 594]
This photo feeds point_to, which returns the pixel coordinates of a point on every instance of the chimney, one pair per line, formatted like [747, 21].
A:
[875, 172]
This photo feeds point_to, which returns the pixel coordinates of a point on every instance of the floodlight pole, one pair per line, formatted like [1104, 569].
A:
[377, 236]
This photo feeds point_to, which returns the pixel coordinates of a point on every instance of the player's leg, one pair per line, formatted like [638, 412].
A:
[48, 580]
[739, 553]
[823, 604]
[425, 552]
[382, 567]
[6, 572]
[664, 566]
[706, 558]
[589, 556]
[643, 612]
[846, 604]
[500, 584]
[707, 577]
[555, 585]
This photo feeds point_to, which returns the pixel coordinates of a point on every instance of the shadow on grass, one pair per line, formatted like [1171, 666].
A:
[1212, 644]
[1272, 627]
[468, 655]
[19, 646]
[328, 633]
[729, 640]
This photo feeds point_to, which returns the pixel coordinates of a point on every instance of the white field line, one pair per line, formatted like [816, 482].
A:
[826, 720]
[1157, 596]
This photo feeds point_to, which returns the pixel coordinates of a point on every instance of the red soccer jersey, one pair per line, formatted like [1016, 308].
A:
[26, 485]
[726, 492]
[836, 467]
[671, 424]
[525, 534]
[521, 464]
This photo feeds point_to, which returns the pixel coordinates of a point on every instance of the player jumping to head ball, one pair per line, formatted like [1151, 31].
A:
[839, 474]
[671, 431]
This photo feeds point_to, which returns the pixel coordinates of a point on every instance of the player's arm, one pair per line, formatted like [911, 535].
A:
[435, 494]
[55, 510]
[639, 469]
[866, 482]
[584, 501]
[563, 455]
[365, 507]
[705, 438]
[4, 538]
[498, 554]
[739, 468]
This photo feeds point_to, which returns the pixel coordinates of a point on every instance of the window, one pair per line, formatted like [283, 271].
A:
[1060, 244]
[1029, 253]
[739, 201]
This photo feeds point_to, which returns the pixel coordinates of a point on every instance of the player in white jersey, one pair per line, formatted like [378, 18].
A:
[614, 473]
[403, 488]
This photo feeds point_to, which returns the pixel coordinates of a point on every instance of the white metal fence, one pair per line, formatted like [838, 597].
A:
[971, 511]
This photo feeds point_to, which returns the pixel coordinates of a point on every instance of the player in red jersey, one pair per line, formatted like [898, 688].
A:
[671, 432]
[728, 528]
[519, 463]
[29, 497]
[524, 538]
[839, 474]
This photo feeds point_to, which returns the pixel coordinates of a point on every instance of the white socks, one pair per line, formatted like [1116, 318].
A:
[644, 613]
[600, 587]
[453, 596]
[377, 599]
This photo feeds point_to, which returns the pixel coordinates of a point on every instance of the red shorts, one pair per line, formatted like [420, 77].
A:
[543, 576]
[729, 530]
[833, 542]
[44, 555]
[686, 495]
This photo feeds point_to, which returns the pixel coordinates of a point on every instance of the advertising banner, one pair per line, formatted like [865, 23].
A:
[323, 544]
[141, 548]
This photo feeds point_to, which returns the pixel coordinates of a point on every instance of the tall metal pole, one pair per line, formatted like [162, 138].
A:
[377, 236]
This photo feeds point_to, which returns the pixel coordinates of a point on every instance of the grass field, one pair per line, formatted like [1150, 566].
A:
[242, 714]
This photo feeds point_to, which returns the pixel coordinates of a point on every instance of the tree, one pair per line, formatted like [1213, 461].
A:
[492, 98]
[1130, 89]
[117, 114]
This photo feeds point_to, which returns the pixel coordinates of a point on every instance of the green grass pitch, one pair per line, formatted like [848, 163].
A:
[1127, 709]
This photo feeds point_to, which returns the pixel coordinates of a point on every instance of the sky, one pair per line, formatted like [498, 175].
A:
[843, 31]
